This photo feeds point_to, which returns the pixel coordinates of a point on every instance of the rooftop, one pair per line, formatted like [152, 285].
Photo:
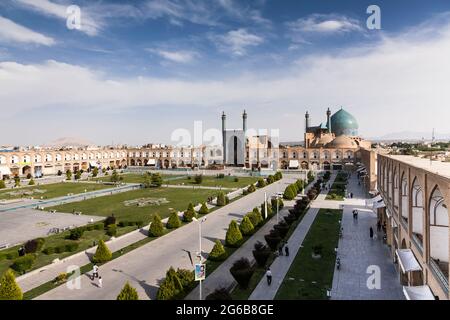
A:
[437, 167]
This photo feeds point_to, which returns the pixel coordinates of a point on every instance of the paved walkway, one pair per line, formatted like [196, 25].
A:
[281, 265]
[146, 266]
[358, 252]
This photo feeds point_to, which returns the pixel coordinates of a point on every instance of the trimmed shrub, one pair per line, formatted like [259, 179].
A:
[246, 227]
[227, 200]
[242, 271]
[219, 294]
[60, 249]
[156, 180]
[49, 250]
[189, 214]
[273, 239]
[71, 247]
[171, 287]
[103, 254]
[174, 221]
[261, 183]
[76, 234]
[24, 263]
[187, 279]
[33, 246]
[109, 220]
[156, 227]
[98, 226]
[261, 253]
[198, 179]
[251, 188]
[270, 179]
[234, 235]
[263, 210]
[9, 289]
[111, 230]
[203, 209]
[255, 217]
[289, 193]
[300, 185]
[282, 228]
[221, 201]
[2, 184]
[12, 255]
[128, 293]
[31, 182]
[218, 252]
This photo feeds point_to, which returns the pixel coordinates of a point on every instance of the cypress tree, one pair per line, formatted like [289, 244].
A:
[189, 213]
[103, 253]
[9, 289]
[246, 227]
[128, 293]
[156, 227]
[204, 209]
[234, 235]
[218, 252]
[174, 221]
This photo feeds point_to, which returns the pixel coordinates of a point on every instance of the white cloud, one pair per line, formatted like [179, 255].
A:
[237, 41]
[175, 56]
[398, 83]
[322, 24]
[13, 32]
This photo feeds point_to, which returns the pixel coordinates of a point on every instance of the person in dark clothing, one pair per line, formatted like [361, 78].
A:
[280, 250]
[379, 226]
[371, 233]
[269, 276]
[286, 250]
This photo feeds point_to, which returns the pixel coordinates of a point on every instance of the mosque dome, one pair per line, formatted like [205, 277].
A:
[344, 123]
[342, 142]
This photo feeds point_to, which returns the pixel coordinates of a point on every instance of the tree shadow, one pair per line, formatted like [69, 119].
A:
[237, 215]
[143, 231]
[149, 290]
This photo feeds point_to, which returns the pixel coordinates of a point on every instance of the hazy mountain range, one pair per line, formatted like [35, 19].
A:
[411, 136]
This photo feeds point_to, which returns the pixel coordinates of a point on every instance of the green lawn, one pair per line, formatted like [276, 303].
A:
[49, 191]
[308, 277]
[114, 204]
[337, 191]
[211, 181]
[84, 243]
[135, 178]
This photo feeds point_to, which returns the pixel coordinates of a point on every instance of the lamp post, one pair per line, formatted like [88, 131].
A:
[200, 248]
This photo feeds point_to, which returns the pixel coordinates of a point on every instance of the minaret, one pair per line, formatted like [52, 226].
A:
[328, 120]
[224, 145]
[244, 121]
[306, 127]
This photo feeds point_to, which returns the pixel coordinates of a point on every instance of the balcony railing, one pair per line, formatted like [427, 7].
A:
[442, 278]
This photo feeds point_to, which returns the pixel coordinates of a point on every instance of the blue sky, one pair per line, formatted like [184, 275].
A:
[137, 70]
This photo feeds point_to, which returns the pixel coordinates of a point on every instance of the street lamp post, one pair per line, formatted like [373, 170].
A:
[200, 249]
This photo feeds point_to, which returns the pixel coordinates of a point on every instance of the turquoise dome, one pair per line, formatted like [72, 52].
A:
[343, 122]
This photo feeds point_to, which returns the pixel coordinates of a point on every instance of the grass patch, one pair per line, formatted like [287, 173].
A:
[178, 199]
[136, 178]
[49, 191]
[308, 277]
[211, 181]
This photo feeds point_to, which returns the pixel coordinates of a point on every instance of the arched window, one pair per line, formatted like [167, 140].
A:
[417, 210]
[405, 194]
[439, 235]
[396, 189]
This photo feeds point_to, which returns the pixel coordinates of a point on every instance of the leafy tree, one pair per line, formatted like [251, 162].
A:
[103, 254]
[147, 180]
[263, 209]
[69, 174]
[17, 181]
[9, 289]
[31, 182]
[78, 175]
[174, 221]
[203, 209]
[234, 236]
[2, 184]
[156, 227]
[156, 180]
[310, 176]
[95, 172]
[218, 252]
[221, 201]
[128, 293]
[189, 214]
[171, 287]
[270, 179]
[246, 227]
[300, 185]
[251, 188]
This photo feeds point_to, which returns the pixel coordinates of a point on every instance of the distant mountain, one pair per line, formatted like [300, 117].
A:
[69, 141]
[412, 136]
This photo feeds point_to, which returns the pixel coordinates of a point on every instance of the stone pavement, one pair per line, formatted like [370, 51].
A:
[358, 252]
[144, 267]
[281, 265]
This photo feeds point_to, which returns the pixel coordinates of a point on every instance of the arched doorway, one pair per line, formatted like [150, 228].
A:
[417, 212]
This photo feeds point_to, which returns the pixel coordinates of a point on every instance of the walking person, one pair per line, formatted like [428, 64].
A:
[286, 250]
[100, 282]
[269, 276]
[356, 214]
[94, 272]
[371, 233]
[280, 250]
